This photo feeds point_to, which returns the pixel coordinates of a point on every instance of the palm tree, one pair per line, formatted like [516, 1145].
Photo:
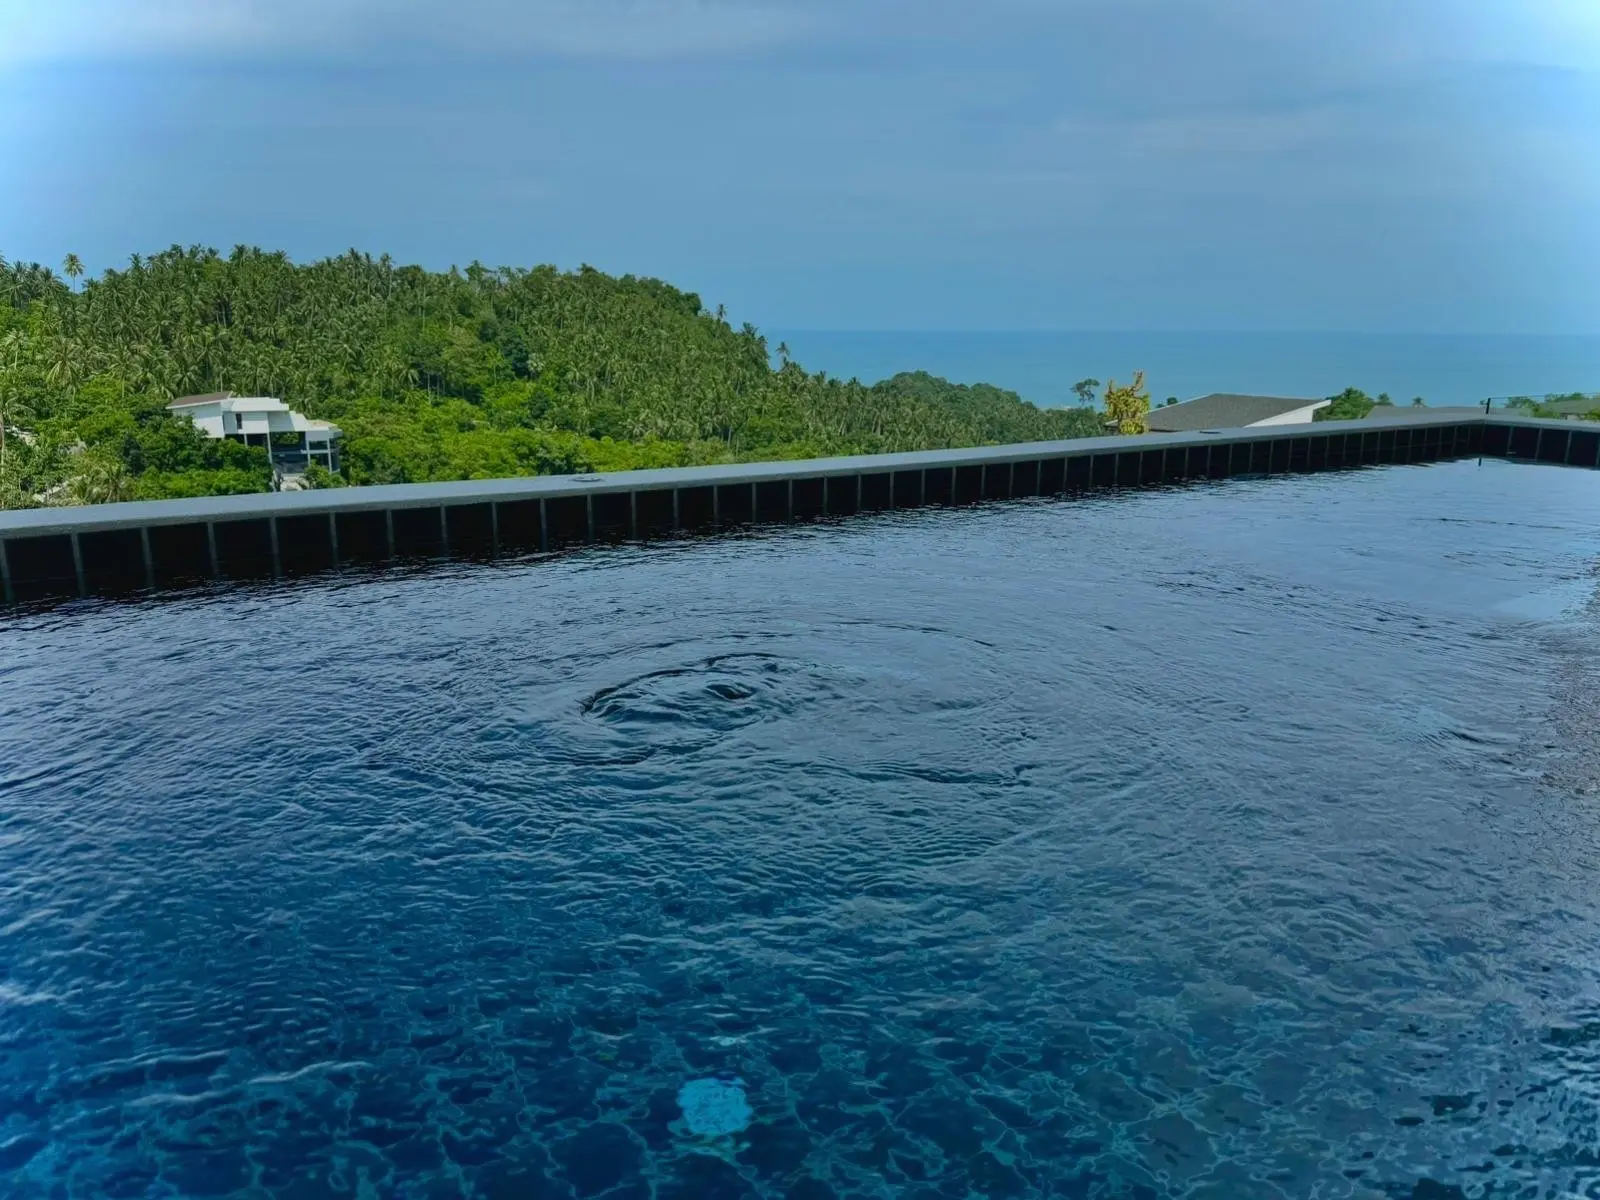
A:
[10, 345]
[72, 267]
[99, 480]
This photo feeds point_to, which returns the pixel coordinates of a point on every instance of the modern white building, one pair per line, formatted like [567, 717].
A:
[1226, 410]
[292, 440]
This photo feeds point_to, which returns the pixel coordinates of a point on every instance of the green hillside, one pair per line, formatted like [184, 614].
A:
[432, 376]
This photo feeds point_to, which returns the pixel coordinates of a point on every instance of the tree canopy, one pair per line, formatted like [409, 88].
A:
[1349, 405]
[1127, 407]
[462, 374]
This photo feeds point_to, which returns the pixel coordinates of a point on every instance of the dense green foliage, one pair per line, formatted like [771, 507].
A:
[1352, 404]
[1349, 405]
[457, 375]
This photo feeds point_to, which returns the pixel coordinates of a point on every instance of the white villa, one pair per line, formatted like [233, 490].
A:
[264, 421]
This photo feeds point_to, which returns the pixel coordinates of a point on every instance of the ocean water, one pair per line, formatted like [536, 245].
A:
[1042, 367]
[1232, 840]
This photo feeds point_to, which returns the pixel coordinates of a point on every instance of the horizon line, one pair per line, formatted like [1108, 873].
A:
[936, 330]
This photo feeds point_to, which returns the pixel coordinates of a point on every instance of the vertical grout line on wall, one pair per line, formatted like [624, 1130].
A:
[444, 533]
[277, 565]
[211, 549]
[790, 501]
[588, 513]
[677, 525]
[149, 558]
[633, 517]
[494, 529]
[6, 592]
[333, 537]
[77, 567]
[388, 531]
[544, 528]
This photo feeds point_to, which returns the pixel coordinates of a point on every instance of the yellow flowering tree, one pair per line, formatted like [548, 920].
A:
[1127, 407]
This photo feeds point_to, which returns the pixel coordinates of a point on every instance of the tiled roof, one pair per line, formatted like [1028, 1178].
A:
[1223, 410]
[1410, 412]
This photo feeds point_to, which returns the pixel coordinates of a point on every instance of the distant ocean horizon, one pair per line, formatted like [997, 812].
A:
[1043, 366]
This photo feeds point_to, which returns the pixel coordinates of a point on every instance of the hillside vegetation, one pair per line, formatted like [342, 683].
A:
[464, 374]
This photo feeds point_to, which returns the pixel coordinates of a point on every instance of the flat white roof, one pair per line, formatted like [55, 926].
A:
[269, 408]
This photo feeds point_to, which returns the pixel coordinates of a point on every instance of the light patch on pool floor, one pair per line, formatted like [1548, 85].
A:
[715, 1107]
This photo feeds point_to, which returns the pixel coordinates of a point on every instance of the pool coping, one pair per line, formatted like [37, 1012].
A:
[64, 547]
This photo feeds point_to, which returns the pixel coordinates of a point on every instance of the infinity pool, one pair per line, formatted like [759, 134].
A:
[1233, 841]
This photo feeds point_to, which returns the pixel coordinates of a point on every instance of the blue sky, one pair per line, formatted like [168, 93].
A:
[1398, 165]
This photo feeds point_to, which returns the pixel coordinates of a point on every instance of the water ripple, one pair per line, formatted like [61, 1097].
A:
[1232, 841]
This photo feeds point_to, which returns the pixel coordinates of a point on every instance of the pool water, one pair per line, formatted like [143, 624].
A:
[1235, 840]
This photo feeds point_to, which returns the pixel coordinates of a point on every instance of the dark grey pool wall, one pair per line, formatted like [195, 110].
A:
[116, 549]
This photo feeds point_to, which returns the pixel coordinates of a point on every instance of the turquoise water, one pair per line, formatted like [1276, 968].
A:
[1225, 842]
[1044, 366]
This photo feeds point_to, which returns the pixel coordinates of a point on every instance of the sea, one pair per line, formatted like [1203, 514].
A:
[1043, 366]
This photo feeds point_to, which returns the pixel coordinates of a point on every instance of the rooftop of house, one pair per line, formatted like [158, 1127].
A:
[1224, 410]
[255, 404]
[1410, 412]
[1573, 408]
[278, 416]
[228, 402]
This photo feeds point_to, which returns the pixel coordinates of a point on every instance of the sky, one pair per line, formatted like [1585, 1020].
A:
[1339, 165]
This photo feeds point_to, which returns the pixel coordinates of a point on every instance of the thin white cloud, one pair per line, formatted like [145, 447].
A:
[1332, 38]
[61, 30]
[1223, 135]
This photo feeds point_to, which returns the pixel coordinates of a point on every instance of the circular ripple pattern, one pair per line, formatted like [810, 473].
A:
[681, 709]
[1231, 841]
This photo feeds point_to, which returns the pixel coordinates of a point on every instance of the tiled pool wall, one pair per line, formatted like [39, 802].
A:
[122, 549]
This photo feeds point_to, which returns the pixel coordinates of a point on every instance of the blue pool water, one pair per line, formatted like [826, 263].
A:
[1238, 840]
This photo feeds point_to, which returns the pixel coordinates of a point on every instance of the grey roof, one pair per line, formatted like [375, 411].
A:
[1412, 412]
[1573, 408]
[208, 398]
[1223, 410]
